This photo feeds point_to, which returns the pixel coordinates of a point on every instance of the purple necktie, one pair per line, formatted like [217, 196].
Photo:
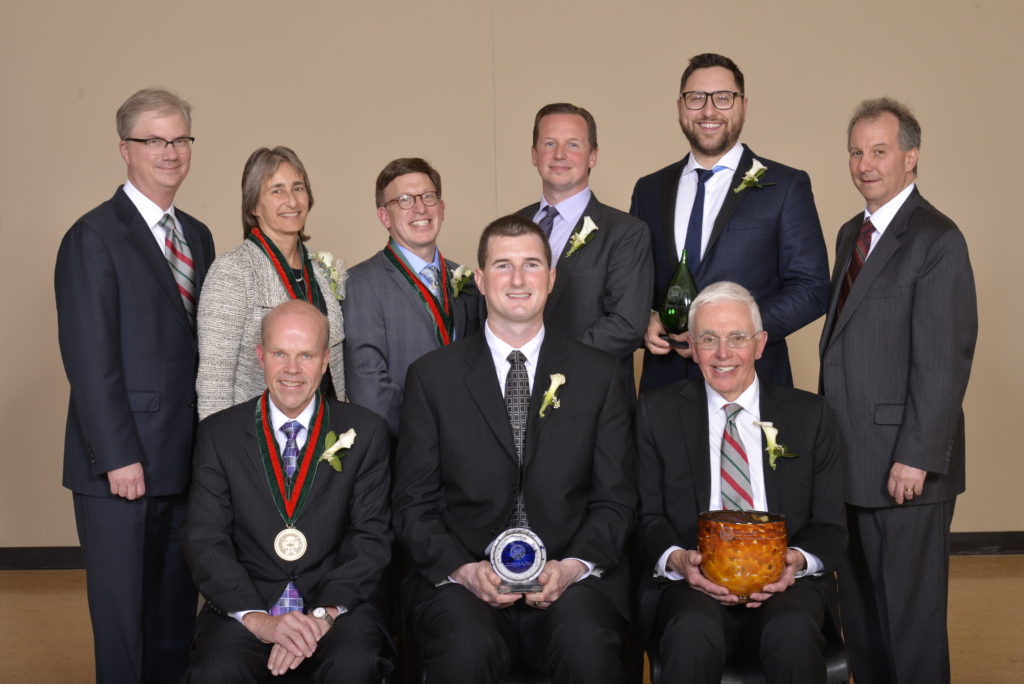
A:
[547, 221]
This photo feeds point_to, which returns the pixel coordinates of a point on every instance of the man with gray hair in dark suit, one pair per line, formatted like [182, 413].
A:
[896, 354]
[407, 299]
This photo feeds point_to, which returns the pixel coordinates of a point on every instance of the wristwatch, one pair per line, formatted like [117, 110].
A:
[321, 613]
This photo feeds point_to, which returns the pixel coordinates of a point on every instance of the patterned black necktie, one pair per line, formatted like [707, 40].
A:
[517, 403]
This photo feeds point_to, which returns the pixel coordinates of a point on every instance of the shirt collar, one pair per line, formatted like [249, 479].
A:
[500, 349]
[730, 160]
[277, 418]
[572, 206]
[884, 214]
[415, 263]
[750, 399]
[150, 210]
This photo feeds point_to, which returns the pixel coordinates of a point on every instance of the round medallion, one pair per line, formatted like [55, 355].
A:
[290, 544]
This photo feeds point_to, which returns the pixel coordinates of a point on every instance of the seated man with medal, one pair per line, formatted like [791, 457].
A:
[287, 529]
[741, 508]
[514, 487]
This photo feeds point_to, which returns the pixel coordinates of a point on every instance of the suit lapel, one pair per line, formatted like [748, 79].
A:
[771, 410]
[566, 265]
[669, 194]
[552, 360]
[729, 206]
[409, 292]
[141, 239]
[693, 433]
[482, 385]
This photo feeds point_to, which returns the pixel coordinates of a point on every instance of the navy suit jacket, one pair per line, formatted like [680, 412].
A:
[766, 239]
[129, 349]
[455, 467]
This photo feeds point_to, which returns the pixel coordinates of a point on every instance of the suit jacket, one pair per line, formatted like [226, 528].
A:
[602, 293]
[766, 239]
[389, 327]
[675, 471]
[129, 349]
[232, 521]
[895, 362]
[456, 467]
[242, 288]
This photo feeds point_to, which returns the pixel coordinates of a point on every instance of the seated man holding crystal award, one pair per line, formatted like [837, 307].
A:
[515, 488]
[287, 526]
[732, 445]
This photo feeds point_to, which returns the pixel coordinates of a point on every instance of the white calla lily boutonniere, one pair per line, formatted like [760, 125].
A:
[551, 395]
[460, 277]
[774, 450]
[333, 444]
[336, 273]
[752, 178]
[585, 235]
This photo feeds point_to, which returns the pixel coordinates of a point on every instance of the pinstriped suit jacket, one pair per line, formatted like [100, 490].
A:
[241, 288]
[895, 362]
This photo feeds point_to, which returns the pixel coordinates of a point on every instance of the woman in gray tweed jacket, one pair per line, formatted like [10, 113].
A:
[269, 267]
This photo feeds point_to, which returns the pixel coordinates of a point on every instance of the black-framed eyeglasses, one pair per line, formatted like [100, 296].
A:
[157, 145]
[409, 201]
[736, 340]
[721, 99]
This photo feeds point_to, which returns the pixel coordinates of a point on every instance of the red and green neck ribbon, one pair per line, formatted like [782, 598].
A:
[290, 497]
[295, 290]
[440, 310]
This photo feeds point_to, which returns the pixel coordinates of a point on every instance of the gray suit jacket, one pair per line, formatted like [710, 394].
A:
[602, 293]
[388, 328]
[241, 288]
[896, 360]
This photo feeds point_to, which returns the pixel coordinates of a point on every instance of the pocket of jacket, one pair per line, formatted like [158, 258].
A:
[888, 414]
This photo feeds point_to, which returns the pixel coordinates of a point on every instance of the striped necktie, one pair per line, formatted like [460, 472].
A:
[179, 258]
[857, 259]
[735, 469]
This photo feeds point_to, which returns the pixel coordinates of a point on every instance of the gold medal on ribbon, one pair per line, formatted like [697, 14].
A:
[290, 544]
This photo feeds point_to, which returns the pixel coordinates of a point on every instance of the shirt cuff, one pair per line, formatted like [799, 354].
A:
[660, 569]
[590, 569]
[238, 615]
[813, 565]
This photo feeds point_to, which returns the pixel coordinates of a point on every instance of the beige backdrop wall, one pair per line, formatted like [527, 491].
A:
[351, 85]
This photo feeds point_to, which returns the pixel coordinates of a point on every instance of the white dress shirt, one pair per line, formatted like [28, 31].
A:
[884, 214]
[151, 214]
[715, 190]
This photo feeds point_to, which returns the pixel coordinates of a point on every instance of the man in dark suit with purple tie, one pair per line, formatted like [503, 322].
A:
[762, 233]
[127, 278]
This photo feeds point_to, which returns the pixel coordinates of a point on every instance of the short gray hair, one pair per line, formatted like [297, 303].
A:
[910, 129]
[150, 100]
[725, 291]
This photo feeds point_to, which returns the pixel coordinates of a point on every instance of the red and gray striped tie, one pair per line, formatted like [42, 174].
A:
[179, 258]
[735, 469]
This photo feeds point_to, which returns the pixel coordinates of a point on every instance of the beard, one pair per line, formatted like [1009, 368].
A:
[721, 143]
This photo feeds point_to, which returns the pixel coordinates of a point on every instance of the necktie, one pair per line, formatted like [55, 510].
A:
[547, 221]
[695, 227]
[291, 447]
[735, 469]
[432, 275]
[857, 259]
[179, 258]
[291, 599]
[517, 403]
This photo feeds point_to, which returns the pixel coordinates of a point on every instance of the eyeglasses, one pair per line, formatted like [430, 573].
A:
[408, 201]
[158, 145]
[721, 99]
[736, 340]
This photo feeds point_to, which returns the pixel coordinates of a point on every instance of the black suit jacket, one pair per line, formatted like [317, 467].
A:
[455, 468]
[895, 362]
[766, 239]
[129, 349]
[675, 477]
[232, 521]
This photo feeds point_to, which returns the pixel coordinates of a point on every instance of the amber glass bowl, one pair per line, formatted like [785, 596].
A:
[742, 550]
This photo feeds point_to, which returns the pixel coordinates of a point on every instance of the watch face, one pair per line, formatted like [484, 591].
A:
[319, 612]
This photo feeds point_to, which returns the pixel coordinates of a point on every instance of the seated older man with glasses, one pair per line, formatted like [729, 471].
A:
[700, 448]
